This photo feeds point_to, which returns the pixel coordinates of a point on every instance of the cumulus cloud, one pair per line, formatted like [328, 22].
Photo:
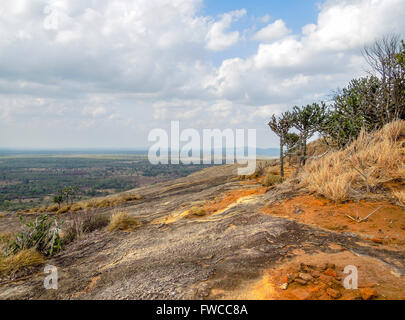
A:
[117, 68]
[272, 31]
[218, 38]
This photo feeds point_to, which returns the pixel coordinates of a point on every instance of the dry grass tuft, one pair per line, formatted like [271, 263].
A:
[104, 202]
[52, 208]
[363, 167]
[76, 207]
[400, 196]
[122, 221]
[83, 225]
[198, 211]
[63, 209]
[271, 179]
[24, 259]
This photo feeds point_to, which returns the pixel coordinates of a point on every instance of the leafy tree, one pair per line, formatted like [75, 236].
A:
[353, 108]
[280, 126]
[307, 120]
[58, 199]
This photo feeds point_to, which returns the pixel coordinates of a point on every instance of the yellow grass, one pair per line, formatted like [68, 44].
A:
[104, 202]
[76, 207]
[198, 211]
[272, 179]
[63, 209]
[400, 196]
[369, 162]
[122, 221]
[24, 259]
[53, 208]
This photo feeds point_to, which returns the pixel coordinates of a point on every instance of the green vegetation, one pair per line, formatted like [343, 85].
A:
[28, 181]
[368, 103]
[41, 234]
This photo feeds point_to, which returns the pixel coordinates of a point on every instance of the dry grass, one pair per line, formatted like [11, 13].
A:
[52, 208]
[198, 211]
[369, 162]
[5, 239]
[63, 209]
[122, 221]
[104, 202]
[24, 259]
[271, 179]
[76, 207]
[83, 225]
[400, 197]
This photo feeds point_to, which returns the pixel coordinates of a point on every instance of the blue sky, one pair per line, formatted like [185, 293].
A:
[103, 74]
[296, 13]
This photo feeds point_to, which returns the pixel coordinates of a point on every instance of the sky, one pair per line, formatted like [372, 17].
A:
[103, 74]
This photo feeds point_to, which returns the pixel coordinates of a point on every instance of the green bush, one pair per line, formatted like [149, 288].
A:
[41, 234]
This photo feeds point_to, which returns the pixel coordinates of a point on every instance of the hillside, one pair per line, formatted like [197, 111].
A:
[214, 235]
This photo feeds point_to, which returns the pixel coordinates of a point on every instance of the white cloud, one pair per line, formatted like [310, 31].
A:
[95, 111]
[272, 31]
[121, 67]
[217, 38]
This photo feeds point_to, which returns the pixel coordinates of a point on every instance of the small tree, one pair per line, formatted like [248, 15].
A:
[291, 142]
[307, 120]
[58, 199]
[382, 58]
[280, 126]
[353, 108]
[69, 193]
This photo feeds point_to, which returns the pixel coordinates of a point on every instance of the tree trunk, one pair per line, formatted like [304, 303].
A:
[299, 158]
[281, 157]
[304, 145]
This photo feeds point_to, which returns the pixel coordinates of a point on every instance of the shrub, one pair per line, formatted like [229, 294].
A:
[40, 234]
[80, 226]
[24, 259]
[122, 221]
[272, 179]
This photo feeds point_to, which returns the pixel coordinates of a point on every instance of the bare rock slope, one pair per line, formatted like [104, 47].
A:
[174, 255]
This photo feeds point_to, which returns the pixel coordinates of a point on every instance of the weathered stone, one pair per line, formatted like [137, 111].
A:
[330, 272]
[315, 274]
[284, 286]
[305, 276]
[300, 281]
[368, 293]
[333, 293]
